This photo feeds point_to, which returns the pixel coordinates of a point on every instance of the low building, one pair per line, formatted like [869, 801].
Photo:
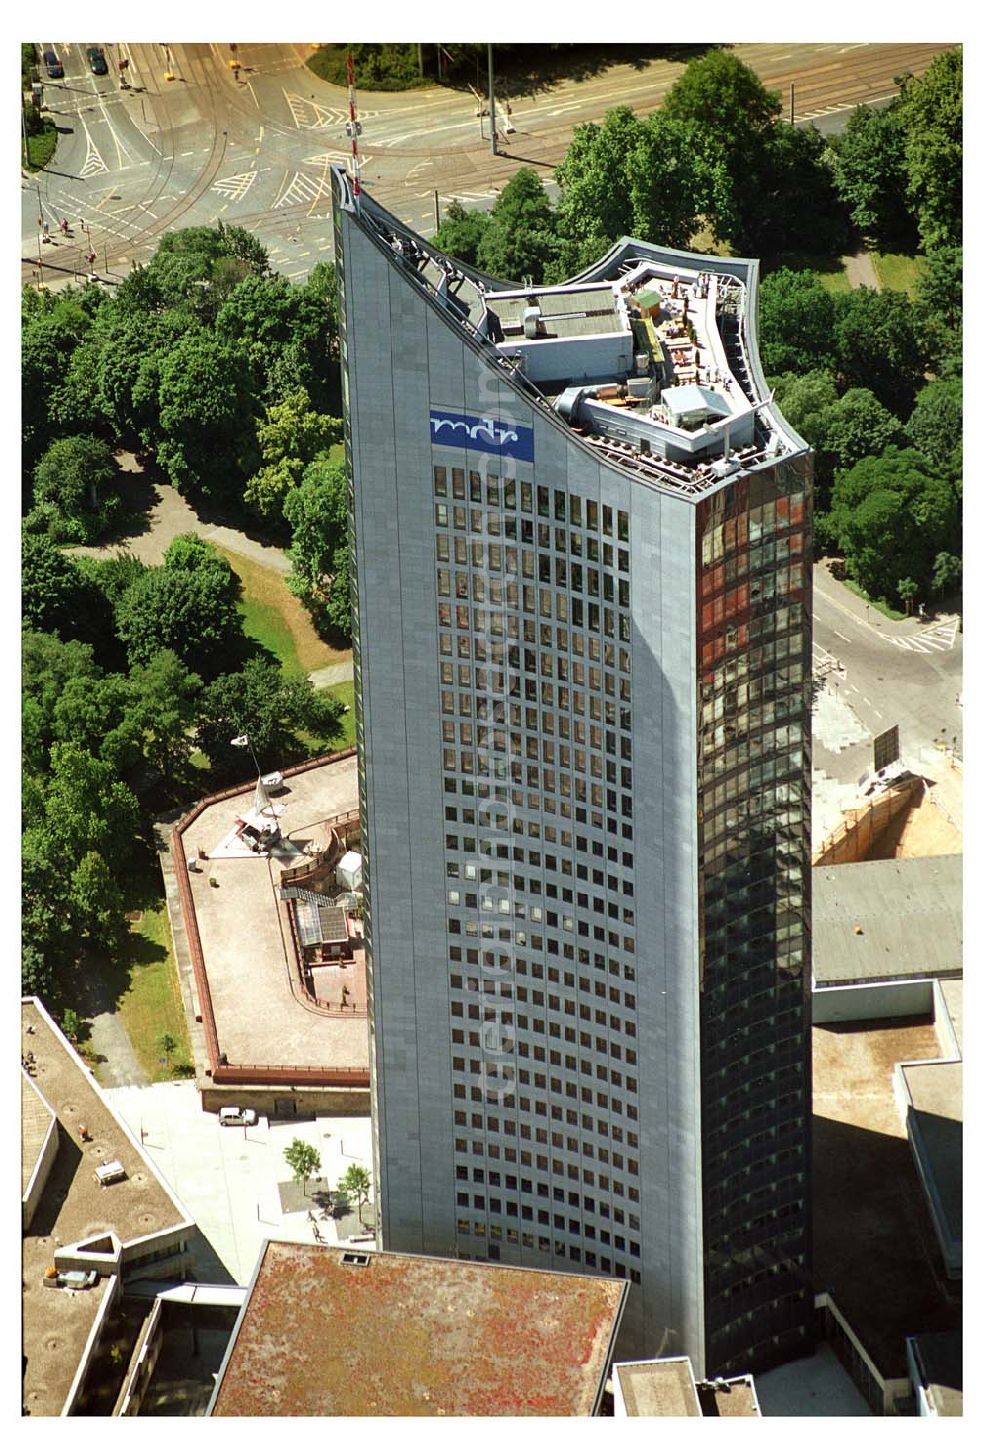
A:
[326, 1331]
[83, 1242]
[878, 920]
[667, 1388]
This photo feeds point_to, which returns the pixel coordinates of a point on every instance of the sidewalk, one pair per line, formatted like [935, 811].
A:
[839, 596]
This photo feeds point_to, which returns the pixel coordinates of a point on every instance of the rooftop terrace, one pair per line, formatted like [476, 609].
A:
[405, 1335]
[617, 351]
[245, 938]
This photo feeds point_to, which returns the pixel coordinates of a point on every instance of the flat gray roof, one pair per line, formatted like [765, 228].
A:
[909, 911]
[570, 312]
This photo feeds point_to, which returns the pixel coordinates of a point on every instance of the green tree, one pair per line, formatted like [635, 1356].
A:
[947, 574]
[804, 399]
[796, 323]
[891, 517]
[317, 512]
[290, 436]
[163, 698]
[56, 595]
[879, 347]
[521, 238]
[794, 163]
[732, 117]
[938, 306]
[49, 338]
[75, 474]
[192, 611]
[857, 425]
[270, 707]
[303, 1159]
[461, 232]
[869, 169]
[907, 589]
[935, 426]
[208, 443]
[670, 181]
[595, 203]
[931, 108]
[356, 1182]
[133, 339]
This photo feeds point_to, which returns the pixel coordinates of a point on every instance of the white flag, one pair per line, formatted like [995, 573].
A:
[240, 740]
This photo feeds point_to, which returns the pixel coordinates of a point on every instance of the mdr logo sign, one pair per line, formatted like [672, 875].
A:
[482, 434]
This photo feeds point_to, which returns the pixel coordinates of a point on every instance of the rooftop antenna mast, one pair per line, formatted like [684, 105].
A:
[352, 126]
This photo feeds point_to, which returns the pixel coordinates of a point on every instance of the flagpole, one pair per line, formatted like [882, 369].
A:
[245, 739]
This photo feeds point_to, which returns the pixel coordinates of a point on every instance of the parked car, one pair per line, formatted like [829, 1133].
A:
[96, 61]
[237, 1116]
[52, 64]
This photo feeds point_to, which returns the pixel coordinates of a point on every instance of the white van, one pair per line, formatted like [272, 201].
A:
[237, 1116]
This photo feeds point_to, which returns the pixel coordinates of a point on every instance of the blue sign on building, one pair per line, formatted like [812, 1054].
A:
[482, 434]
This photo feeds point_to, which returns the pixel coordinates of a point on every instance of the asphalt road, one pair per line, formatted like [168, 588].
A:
[254, 146]
[907, 673]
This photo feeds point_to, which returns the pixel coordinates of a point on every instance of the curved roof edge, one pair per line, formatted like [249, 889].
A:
[745, 269]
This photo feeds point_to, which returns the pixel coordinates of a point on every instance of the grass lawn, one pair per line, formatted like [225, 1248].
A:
[276, 619]
[316, 744]
[42, 146]
[898, 273]
[830, 270]
[150, 1004]
[880, 604]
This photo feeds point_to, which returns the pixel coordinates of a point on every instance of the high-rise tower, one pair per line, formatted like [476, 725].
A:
[582, 663]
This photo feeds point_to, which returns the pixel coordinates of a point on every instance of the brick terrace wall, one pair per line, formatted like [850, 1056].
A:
[249, 1073]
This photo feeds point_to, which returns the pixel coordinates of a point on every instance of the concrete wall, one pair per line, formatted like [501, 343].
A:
[872, 1001]
[43, 1164]
[144, 1358]
[584, 359]
[287, 1102]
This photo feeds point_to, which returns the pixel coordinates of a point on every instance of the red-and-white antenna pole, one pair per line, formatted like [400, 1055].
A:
[353, 117]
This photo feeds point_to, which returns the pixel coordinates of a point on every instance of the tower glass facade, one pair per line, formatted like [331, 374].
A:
[581, 644]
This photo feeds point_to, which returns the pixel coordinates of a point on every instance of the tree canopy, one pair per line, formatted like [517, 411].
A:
[795, 322]
[931, 109]
[269, 706]
[73, 476]
[186, 606]
[879, 346]
[317, 512]
[892, 516]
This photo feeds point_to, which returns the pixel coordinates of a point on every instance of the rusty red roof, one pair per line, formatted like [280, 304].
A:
[403, 1334]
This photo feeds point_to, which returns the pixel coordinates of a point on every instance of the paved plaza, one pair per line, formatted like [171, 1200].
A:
[258, 1017]
[229, 1178]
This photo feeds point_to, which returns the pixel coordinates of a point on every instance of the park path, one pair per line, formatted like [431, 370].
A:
[166, 514]
[861, 272]
[118, 1065]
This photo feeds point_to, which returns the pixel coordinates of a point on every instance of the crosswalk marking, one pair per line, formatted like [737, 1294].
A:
[939, 638]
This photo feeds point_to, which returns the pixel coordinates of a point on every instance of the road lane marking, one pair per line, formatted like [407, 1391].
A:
[845, 637]
[235, 187]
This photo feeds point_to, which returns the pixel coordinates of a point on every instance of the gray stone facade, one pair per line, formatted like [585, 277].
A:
[534, 674]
